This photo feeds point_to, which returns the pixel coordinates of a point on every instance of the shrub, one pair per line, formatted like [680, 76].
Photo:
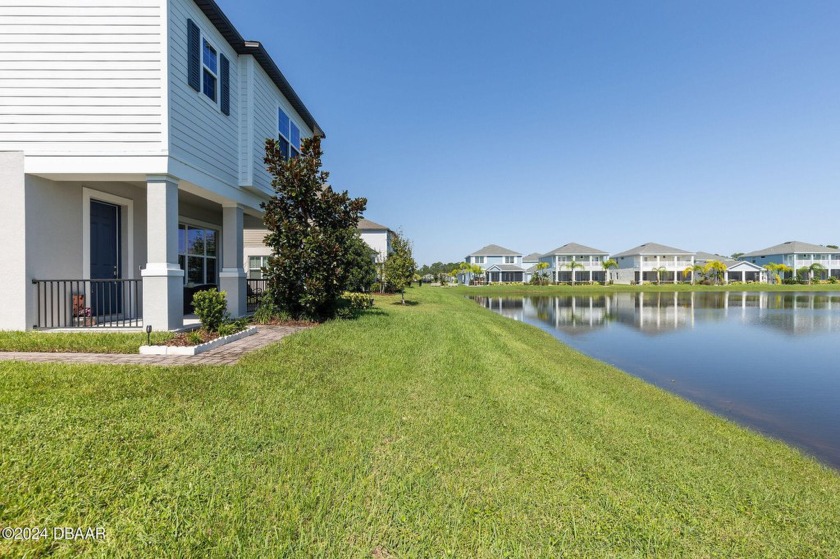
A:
[358, 301]
[267, 311]
[194, 337]
[351, 304]
[832, 279]
[229, 327]
[211, 308]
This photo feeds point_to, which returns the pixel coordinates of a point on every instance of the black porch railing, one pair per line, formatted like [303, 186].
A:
[105, 303]
[256, 289]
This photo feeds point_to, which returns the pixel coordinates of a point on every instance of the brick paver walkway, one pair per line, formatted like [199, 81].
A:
[224, 355]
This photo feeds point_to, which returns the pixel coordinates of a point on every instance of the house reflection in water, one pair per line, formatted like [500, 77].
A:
[652, 313]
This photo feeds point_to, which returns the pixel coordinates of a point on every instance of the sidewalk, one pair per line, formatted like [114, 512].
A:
[225, 355]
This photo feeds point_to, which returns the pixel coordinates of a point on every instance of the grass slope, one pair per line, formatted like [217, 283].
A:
[438, 429]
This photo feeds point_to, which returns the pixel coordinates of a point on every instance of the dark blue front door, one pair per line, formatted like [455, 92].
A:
[105, 259]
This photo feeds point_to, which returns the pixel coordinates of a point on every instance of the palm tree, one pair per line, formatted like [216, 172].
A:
[571, 266]
[690, 271]
[815, 269]
[778, 270]
[607, 265]
[659, 271]
[715, 269]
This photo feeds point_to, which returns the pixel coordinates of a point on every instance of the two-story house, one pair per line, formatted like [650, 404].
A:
[652, 262]
[797, 255]
[131, 158]
[499, 264]
[378, 237]
[573, 262]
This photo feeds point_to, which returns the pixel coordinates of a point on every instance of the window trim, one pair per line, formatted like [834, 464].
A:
[204, 68]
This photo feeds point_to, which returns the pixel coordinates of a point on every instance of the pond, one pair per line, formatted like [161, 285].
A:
[770, 361]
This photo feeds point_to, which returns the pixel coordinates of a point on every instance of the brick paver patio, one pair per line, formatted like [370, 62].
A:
[225, 355]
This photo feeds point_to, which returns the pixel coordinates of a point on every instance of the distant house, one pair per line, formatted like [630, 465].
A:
[498, 263]
[586, 263]
[736, 270]
[652, 262]
[378, 237]
[798, 255]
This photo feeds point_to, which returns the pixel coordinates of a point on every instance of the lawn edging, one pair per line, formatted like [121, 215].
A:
[196, 349]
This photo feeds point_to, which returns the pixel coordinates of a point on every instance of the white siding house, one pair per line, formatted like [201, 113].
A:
[378, 237]
[131, 145]
[499, 264]
[586, 263]
[652, 262]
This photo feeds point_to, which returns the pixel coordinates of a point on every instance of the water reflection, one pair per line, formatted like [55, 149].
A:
[767, 360]
[662, 312]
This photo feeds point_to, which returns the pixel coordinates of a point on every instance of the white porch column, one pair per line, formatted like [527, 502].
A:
[232, 278]
[18, 309]
[163, 278]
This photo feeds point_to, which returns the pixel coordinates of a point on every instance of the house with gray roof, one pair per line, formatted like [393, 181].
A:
[574, 262]
[652, 262]
[736, 270]
[377, 236]
[797, 255]
[498, 263]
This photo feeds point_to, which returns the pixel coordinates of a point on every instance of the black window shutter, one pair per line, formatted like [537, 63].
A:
[224, 71]
[193, 55]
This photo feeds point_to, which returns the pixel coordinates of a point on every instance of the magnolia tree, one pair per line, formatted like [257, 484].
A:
[400, 266]
[311, 233]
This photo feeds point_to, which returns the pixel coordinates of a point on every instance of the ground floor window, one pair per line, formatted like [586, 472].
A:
[256, 265]
[197, 254]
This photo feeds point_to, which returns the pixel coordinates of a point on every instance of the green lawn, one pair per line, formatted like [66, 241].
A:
[78, 342]
[430, 430]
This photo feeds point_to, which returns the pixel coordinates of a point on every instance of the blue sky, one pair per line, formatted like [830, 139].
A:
[709, 126]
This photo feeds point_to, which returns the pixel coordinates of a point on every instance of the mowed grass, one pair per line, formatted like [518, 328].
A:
[432, 430]
[78, 342]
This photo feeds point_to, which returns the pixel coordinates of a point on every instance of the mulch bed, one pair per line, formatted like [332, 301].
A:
[186, 339]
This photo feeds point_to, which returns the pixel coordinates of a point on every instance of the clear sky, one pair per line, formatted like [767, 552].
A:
[709, 126]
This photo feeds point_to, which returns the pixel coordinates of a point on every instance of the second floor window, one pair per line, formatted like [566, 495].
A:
[289, 134]
[510, 259]
[478, 259]
[210, 71]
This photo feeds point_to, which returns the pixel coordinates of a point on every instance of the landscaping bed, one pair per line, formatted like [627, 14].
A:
[196, 342]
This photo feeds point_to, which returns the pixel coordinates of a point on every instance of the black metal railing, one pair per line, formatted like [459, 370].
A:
[105, 303]
[256, 289]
